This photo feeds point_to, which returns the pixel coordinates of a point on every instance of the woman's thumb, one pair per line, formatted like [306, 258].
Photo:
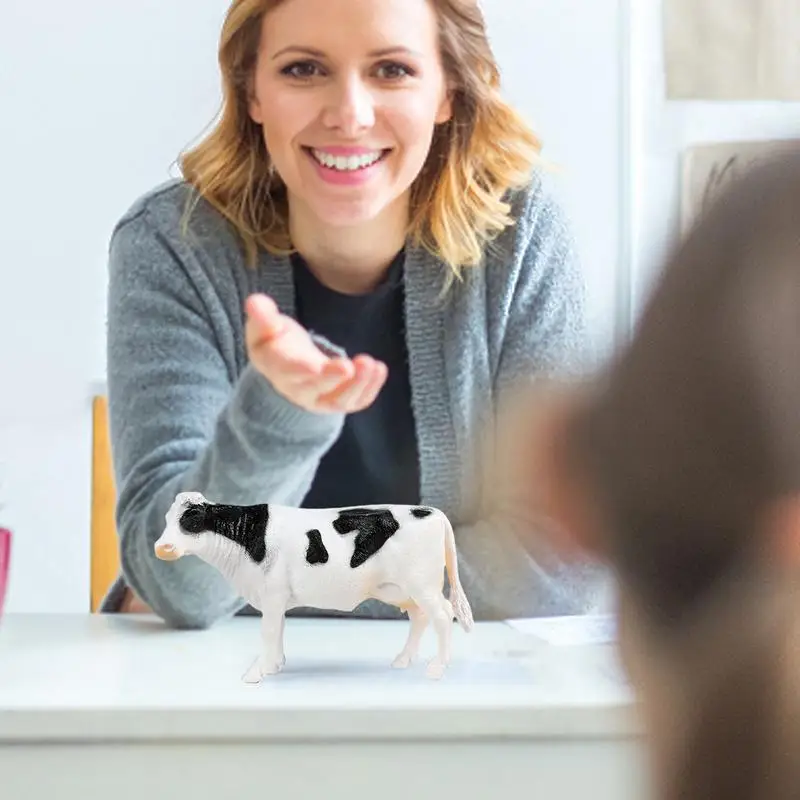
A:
[265, 318]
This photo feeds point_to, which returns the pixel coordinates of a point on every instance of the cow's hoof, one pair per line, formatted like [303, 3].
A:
[259, 669]
[403, 661]
[435, 670]
[253, 675]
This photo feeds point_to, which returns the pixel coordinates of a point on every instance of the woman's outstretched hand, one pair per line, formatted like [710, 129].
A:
[285, 354]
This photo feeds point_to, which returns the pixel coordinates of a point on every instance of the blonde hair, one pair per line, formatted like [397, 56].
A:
[458, 201]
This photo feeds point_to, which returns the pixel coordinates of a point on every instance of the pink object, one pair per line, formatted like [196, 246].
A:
[5, 559]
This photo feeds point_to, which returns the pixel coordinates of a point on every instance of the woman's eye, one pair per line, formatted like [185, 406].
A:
[393, 71]
[300, 69]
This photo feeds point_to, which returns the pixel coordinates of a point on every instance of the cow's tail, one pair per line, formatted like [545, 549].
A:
[458, 599]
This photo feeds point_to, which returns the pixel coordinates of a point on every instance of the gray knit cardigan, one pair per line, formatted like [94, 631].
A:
[187, 411]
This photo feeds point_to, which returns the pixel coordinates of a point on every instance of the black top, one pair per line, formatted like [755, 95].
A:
[375, 458]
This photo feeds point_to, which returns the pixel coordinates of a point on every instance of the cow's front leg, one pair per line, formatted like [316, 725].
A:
[271, 659]
[418, 623]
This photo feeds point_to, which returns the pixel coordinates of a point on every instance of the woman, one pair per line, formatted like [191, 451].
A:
[327, 309]
[681, 469]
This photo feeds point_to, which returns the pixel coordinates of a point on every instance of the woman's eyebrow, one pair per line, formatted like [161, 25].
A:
[311, 51]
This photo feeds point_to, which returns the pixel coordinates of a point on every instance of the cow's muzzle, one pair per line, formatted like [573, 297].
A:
[167, 552]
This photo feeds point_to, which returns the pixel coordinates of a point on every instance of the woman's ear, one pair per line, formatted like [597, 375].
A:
[445, 110]
[253, 103]
[254, 110]
[783, 533]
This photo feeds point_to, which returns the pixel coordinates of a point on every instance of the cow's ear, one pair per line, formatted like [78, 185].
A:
[189, 498]
[193, 520]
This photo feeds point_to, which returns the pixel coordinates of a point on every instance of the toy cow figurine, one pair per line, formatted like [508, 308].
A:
[280, 557]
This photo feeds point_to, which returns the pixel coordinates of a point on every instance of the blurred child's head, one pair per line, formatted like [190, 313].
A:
[680, 468]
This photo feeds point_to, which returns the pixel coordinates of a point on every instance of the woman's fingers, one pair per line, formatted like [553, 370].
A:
[360, 390]
[335, 399]
[372, 386]
[334, 373]
[375, 385]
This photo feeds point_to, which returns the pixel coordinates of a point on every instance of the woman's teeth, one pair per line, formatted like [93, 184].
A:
[346, 163]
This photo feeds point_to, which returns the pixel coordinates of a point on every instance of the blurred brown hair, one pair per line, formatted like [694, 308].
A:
[688, 442]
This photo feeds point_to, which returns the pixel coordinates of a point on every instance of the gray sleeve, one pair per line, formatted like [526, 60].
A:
[544, 336]
[181, 419]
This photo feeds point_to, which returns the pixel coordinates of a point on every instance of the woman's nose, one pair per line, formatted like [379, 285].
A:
[350, 107]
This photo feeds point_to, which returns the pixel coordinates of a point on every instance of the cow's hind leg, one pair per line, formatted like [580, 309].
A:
[418, 624]
[448, 607]
[437, 609]
[271, 659]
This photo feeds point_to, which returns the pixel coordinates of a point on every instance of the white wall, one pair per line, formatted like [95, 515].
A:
[565, 65]
[661, 130]
[98, 98]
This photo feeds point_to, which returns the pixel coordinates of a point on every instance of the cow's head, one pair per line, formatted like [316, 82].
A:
[185, 520]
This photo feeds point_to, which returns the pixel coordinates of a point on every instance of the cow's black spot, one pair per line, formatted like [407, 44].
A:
[316, 553]
[244, 525]
[421, 513]
[374, 526]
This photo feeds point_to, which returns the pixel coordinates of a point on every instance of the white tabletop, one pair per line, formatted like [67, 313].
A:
[66, 678]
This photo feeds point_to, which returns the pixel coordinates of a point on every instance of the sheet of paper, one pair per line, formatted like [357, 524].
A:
[570, 631]
[732, 49]
[709, 168]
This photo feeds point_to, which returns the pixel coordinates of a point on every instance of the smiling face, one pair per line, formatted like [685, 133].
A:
[348, 94]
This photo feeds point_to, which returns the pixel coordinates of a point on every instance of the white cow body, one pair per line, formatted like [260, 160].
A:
[335, 585]
[280, 557]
